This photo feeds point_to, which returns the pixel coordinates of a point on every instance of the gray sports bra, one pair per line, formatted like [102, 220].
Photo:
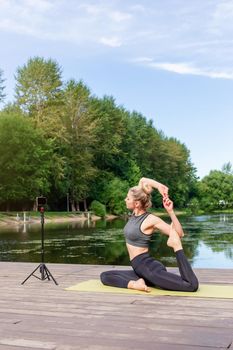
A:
[133, 233]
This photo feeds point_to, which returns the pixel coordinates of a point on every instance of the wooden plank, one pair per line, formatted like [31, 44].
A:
[105, 327]
[39, 314]
[142, 338]
[12, 347]
[31, 344]
[191, 315]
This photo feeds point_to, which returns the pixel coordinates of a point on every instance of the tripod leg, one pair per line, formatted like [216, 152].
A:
[50, 275]
[32, 274]
[42, 272]
[46, 272]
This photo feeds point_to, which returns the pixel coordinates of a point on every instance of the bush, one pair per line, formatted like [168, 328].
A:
[115, 193]
[193, 206]
[98, 208]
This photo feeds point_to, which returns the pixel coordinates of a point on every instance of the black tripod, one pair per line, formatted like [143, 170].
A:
[44, 271]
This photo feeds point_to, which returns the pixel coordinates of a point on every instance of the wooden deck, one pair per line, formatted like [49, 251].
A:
[41, 315]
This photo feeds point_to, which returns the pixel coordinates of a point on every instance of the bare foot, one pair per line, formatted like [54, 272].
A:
[139, 285]
[174, 240]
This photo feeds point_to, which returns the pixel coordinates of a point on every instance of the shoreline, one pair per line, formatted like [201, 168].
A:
[17, 219]
[14, 221]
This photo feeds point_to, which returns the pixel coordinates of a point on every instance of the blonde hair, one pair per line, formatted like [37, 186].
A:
[142, 194]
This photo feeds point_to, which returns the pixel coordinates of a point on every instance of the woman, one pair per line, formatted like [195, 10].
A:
[138, 231]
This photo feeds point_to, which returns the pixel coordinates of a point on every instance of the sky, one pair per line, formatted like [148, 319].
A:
[170, 60]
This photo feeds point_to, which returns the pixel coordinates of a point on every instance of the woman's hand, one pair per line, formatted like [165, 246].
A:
[168, 204]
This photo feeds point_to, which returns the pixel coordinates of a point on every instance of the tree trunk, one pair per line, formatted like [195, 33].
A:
[73, 205]
[85, 204]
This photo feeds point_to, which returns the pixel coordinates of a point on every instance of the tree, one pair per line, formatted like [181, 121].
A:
[109, 158]
[38, 85]
[2, 87]
[109, 133]
[94, 142]
[12, 108]
[134, 173]
[179, 172]
[165, 159]
[137, 142]
[227, 168]
[216, 190]
[115, 193]
[24, 161]
[79, 141]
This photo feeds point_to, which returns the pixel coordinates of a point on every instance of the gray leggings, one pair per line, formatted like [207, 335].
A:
[154, 273]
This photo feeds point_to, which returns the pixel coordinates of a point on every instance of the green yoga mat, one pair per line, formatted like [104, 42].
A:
[204, 291]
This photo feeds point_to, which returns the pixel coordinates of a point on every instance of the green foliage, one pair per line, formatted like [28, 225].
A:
[38, 83]
[98, 208]
[115, 194]
[97, 150]
[79, 129]
[24, 160]
[139, 142]
[227, 168]
[178, 171]
[134, 173]
[215, 191]
[193, 206]
[109, 132]
[12, 109]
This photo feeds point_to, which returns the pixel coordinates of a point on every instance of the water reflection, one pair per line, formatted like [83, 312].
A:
[208, 242]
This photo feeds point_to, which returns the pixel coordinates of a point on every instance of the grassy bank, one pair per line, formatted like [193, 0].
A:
[223, 211]
[34, 217]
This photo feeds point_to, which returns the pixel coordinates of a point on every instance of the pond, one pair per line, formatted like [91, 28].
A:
[208, 242]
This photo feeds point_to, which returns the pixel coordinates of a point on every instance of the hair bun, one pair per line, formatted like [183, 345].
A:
[147, 188]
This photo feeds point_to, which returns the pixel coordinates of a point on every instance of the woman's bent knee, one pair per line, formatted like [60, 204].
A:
[194, 286]
[104, 277]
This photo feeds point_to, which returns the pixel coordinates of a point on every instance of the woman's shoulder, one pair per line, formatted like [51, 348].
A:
[150, 223]
[152, 214]
[152, 217]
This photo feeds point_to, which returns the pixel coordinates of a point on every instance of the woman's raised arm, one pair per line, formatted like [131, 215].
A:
[149, 184]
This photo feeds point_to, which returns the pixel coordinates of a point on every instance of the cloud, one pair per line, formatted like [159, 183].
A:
[12, 26]
[223, 13]
[38, 5]
[184, 68]
[81, 22]
[111, 42]
[25, 17]
[180, 68]
[106, 10]
[118, 16]
[180, 36]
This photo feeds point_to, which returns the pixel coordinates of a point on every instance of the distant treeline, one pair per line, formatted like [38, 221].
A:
[60, 141]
